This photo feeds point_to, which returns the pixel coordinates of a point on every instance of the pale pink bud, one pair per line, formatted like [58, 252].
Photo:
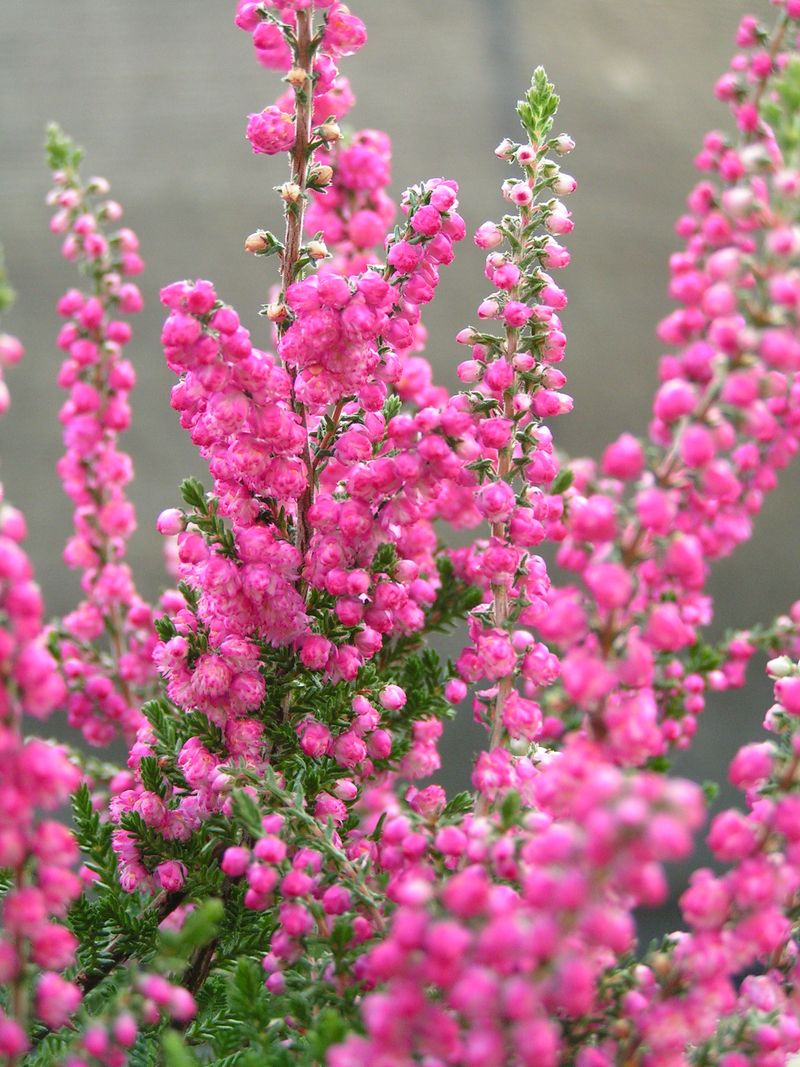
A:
[171, 522]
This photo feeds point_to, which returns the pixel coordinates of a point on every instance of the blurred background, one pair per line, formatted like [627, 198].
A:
[157, 93]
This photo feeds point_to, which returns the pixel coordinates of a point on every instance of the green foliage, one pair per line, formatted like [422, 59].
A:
[538, 107]
[199, 928]
[710, 791]
[703, 658]
[458, 805]
[194, 494]
[205, 515]
[176, 1054]
[562, 481]
[781, 109]
[93, 837]
[62, 152]
[7, 294]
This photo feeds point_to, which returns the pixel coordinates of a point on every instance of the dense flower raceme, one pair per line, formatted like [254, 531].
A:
[641, 527]
[515, 385]
[35, 778]
[354, 212]
[106, 684]
[358, 914]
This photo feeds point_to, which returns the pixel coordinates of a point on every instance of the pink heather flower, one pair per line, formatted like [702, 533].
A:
[392, 697]
[315, 651]
[182, 1006]
[315, 738]
[171, 522]
[426, 220]
[56, 999]
[235, 861]
[732, 836]
[496, 501]
[125, 1030]
[751, 764]
[787, 693]
[624, 458]
[404, 256]
[170, 875]
[336, 900]
[349, 750]
[516, 314]
[522, 718]
[488, 236]
[13, 1039]
[455, 690]
[270, 131]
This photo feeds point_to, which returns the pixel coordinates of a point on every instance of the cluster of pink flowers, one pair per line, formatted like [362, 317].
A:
[274, 129]
[514, 384]
[282, 769]
[339, 325]
[106, 685]
[640, 531]
[35, 777]
[354, 212]
[514, 929]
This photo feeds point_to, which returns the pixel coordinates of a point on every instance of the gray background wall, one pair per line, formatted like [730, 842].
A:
[157, 92]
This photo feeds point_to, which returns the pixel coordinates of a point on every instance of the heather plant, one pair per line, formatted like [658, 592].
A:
[271, 877]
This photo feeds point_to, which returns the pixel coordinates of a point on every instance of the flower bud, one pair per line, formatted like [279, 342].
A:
[564, 185]
[276, 312]
[330, 132]
[290, 192]
[256, 242]
[297, 77]
[317, 250]
[320, 175]
[780, 667]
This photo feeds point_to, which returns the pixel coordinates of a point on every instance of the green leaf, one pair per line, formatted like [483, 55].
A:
[460, 804]
[247, 812]
[62, 152]
[511, 807]
[562, 481]
[152, 778]
[246, 987]
[710, 791]
[201, 925]
[176, 1054]
[7, 294]
[329, 1030]
[165, 628]
[194, 495]
[393, 405]
[661, 764]
[537, 110]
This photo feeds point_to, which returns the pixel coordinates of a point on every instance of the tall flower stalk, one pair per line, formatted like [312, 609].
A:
[273, 877]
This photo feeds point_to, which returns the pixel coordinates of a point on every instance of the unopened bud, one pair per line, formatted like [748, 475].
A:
[317, 250]
[780, 667]
[290, 192]
[277, 312]
[564, 185]
[330, 132]
[256, 242]
[98, 186]
[506, 149]
[320, 175]
[297, 77]
[564, 144]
